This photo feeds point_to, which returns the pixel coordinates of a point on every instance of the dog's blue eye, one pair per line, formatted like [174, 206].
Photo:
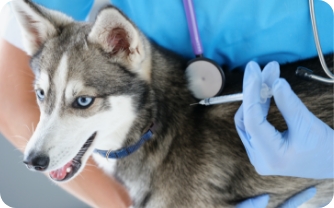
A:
[40, 94]
[83, 102]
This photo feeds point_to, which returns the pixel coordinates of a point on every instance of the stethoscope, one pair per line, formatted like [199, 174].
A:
[207, 79]
[307, 73]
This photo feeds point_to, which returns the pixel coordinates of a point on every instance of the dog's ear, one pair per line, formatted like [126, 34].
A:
[119, 38]
[38, 23]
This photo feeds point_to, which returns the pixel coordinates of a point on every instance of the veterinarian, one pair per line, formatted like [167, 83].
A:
[233, 32]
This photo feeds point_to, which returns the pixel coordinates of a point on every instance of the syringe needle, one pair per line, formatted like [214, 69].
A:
[194, 104]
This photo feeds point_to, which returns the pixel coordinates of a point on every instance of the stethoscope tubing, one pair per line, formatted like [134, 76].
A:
[193, 29]
[319, 50]
[198, 49]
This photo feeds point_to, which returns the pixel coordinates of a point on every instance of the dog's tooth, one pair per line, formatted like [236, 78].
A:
[68, 169]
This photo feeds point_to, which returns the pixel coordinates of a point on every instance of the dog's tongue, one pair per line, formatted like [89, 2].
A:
[60, 173]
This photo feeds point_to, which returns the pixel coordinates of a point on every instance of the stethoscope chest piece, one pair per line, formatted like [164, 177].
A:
[205, 78]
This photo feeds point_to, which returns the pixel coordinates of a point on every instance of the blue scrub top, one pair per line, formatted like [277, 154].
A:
[77, 9]
[233, 32]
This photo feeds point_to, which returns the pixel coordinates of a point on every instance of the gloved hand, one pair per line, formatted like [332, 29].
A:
[305, 149]
[293, 202]
[77, 9]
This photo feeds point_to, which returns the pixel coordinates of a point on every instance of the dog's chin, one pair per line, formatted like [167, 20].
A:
[73, 167]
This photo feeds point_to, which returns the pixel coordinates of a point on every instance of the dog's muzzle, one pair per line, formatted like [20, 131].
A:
[71, 168]
[40, 162]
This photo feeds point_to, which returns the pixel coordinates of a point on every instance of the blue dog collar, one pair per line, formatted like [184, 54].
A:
[121, 153]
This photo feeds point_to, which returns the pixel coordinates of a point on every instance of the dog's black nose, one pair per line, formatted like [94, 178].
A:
[37, 161]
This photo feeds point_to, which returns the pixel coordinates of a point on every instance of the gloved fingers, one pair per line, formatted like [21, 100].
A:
[252, 85]
[270, 74]
[254, 114]
[292, 108]
[239, 119]
[239, 124]
[300, 198]
[256, 202]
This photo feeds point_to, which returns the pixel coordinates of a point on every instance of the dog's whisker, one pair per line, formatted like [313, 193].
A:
[81, 175]
[22, 143]
[20, 149]
[33, 127]
[27, 127]
[91, 165]
[21, 137]
[25, 72]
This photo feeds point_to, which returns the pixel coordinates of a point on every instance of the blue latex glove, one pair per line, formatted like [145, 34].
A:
[293, 202]
[234, 32]
[304, 150]
[77, 9]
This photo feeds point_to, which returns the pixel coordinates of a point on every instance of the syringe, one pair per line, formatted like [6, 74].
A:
[265, 94]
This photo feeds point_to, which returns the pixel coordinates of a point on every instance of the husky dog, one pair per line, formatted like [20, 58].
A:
[103, 86]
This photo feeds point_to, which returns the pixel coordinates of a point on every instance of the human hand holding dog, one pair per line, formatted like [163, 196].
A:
[295, 201]
[305, 149]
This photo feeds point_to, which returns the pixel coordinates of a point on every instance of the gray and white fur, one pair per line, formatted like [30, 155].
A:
[195, 157]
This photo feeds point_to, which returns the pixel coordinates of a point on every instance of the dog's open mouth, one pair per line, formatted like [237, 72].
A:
[70, 168]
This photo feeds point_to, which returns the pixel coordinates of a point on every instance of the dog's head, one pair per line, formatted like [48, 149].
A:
[91, 84]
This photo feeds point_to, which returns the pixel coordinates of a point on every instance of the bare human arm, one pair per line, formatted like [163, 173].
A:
[19, 114]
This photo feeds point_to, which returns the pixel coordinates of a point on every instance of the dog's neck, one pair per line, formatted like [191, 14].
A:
[167, 99]
[173, 93]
